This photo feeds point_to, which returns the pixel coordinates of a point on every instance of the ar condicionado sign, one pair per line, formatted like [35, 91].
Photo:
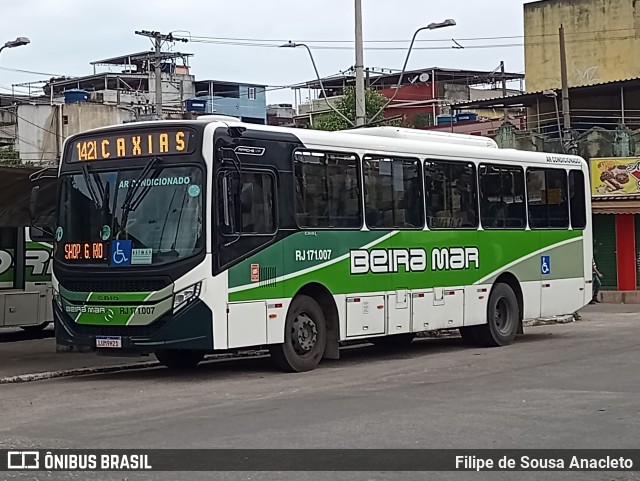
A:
[131, 144]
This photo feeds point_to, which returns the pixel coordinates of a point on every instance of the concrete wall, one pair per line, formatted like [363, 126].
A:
[601, 41]
[85, 116]
[175, 90]
[37, 133]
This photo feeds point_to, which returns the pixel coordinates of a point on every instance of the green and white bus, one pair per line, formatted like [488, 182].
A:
[25, 252]
[25, 278]
[182, 238]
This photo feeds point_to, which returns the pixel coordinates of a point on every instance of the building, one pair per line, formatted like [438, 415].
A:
[281, 115]
[132, 85]
[246, 101]
[604, 98]
[33, 133]
[600, 38]
[423, 95]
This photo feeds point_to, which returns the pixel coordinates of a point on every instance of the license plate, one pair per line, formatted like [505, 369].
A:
[109, 341]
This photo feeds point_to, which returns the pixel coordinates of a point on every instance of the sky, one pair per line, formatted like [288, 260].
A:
[66, 35]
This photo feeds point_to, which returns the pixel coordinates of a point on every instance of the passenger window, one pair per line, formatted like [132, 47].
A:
[393, 193]
[451, 195]
[577, 202]
[502, 204]
[547, 199]
[327, 189]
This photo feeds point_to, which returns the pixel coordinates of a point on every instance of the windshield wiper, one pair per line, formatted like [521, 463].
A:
[129, 203]
[87, 179]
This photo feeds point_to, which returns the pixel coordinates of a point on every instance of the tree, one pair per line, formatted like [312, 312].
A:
[347, 107]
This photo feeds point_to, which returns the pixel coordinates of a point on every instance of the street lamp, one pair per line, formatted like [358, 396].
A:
[324, 93]
[18, 42]
[432, 26]
[554, 94]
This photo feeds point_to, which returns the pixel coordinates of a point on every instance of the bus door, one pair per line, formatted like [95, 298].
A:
[38, 264]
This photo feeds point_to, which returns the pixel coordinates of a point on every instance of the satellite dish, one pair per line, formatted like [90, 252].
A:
[424, 77]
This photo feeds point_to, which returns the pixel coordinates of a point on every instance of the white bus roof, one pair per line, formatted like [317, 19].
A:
[425, 135]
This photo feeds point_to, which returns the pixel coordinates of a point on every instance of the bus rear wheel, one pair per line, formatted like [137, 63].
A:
[179, 358]
[305, 337]
[502, 318]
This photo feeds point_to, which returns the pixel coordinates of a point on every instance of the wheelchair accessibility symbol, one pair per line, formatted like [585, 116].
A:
[120, 253]
[545, 265]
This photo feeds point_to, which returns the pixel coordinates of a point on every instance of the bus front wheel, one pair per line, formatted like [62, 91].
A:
[179, 358]
[502, 318]
[305, 337]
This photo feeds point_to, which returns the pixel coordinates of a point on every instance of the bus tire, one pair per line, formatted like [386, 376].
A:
[394, 340]
[502, 318]
[305, 337]
[179, 358]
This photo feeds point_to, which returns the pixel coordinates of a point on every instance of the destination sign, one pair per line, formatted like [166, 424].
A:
[84, 251]
[131, 144]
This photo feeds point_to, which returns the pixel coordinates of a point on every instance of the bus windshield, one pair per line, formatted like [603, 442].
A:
[153, 215]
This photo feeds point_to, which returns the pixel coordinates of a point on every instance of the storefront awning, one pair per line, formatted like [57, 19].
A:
[621, 206]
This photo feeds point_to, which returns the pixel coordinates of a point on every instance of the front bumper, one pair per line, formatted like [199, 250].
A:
[190, 328]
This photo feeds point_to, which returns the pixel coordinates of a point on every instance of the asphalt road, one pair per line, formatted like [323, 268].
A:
[561, 386]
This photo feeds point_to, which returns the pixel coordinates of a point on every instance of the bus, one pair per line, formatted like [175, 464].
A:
[185, 238]
[26, 292]
[25, 254]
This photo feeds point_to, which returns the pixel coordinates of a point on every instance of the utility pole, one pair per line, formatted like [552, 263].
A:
[158, 38]
[361, 112]
[566, 112]
[504, 90]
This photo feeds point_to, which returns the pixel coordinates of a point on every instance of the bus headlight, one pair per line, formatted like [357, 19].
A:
[185, 296]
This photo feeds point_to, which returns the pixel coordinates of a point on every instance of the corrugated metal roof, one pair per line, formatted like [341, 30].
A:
[624, 206]
[538, 93]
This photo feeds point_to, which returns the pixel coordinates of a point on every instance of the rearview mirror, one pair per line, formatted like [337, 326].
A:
[33, 202]
[39, 218]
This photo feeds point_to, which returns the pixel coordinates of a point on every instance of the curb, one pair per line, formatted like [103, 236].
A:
[42, 376]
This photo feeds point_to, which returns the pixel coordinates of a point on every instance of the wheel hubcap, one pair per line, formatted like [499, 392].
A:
[502, 316]
[304, 333]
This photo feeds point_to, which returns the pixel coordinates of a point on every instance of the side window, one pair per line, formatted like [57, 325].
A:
[327, 190]
[248, 203]
[393, 193]
[502, 204]
[451, 195]
[547, 199]
[577, 199]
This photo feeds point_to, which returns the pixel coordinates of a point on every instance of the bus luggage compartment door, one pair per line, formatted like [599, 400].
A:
[365, 315]
[247, 324]
[440, 308]
[398, 313]
[21, 308]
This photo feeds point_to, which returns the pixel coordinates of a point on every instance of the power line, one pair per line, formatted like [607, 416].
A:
[195, 38]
